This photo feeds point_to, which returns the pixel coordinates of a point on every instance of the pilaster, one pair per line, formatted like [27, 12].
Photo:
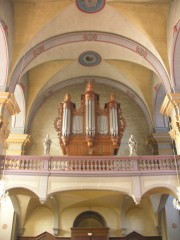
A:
[8, 107]
[171, 108]
[17, 143]
[136, 185]
[42, 189]
[164, 143]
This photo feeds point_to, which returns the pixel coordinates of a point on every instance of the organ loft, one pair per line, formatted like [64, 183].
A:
[89, 130]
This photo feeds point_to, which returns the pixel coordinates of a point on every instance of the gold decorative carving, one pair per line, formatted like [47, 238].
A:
[8, 102]
[171, 108]
[8, 107]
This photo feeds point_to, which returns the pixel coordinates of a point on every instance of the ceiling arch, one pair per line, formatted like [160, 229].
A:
[69, 82]
[4, 55]
[130, 45]
[175, 56]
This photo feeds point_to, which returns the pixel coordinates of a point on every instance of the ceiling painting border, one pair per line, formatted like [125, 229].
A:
[129, 44]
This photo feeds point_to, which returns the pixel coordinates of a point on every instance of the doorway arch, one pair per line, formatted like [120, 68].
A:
[89, 225]
[89, 219]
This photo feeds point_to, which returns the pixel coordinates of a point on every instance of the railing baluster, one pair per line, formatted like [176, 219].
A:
[92, 163]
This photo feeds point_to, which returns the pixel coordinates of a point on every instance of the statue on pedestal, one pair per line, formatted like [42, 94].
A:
[132, 146]
[47, 145]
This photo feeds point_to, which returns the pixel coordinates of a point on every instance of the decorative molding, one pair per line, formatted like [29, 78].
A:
[104, 37]
[141, 51]
[171, 108]
[175, 56]
[162, 143]
[8, 102]
[90, 37]
[38, 50]
[5, 27]
[171, 103]
[8, 107]
[89, 59]
[4, 57]
[92, 6]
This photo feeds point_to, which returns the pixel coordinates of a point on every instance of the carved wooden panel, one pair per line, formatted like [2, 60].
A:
[136, 236]
[97, 234]
[42, 236]
[89, 233]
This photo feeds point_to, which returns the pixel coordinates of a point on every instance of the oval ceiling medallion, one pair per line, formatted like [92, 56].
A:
[90, 6]
[89, 58]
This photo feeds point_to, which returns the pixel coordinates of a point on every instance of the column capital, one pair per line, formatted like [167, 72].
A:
[171, 107]
[8, 107]
[8, 102]
[164, 143]
[171, 104]
[17, 143]
[174, 133]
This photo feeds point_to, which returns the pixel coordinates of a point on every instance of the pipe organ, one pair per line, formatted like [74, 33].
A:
[89, 130]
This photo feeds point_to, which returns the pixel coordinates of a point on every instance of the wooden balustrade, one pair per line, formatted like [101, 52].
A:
[92, 164]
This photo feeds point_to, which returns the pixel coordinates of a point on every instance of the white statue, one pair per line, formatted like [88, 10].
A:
[132, 146]
[47, 145]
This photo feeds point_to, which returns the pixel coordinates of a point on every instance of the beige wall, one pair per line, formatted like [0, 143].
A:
[40, 220]
[42, 123]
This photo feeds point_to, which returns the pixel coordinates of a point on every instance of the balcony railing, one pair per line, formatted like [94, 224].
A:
[93, 165]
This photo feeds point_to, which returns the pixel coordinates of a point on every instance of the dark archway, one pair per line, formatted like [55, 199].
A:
[89, 219]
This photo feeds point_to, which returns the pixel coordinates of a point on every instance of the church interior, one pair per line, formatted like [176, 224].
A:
[90, 119]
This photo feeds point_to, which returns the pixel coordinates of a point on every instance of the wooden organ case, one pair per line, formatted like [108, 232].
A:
[89, 130]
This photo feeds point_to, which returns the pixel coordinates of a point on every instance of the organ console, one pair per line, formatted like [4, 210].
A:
[89, 130]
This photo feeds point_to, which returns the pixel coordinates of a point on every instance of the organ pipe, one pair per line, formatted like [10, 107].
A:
[67, 116]
[90, 117]
[113, 121]
[90, 111]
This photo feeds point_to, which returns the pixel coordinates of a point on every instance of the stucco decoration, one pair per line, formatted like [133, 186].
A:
[90, 6]
[89, 58]
[141, 51]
